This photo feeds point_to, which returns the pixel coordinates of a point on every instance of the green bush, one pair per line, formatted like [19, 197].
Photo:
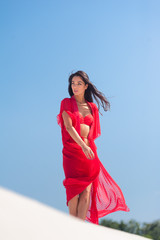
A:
[149, 230]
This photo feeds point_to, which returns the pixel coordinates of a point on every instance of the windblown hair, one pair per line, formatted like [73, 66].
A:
[91, 91]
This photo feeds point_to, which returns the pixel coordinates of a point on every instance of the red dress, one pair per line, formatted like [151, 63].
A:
[106, 196]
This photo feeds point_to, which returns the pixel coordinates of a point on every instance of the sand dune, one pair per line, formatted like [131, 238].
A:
[22, 218]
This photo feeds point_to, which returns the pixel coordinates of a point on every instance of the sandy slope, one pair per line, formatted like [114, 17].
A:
[22, 218]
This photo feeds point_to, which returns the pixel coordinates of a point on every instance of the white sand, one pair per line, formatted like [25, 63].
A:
[22, 218]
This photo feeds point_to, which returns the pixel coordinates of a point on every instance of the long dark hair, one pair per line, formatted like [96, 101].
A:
[90, 92]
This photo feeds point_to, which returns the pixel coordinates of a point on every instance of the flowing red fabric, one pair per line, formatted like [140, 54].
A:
[106, 196]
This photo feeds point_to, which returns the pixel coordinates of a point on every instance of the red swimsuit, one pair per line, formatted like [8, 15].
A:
[88, 119]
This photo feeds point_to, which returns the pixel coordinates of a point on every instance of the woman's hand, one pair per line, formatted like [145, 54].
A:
[88, 152]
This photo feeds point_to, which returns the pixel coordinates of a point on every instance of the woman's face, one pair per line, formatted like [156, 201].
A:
[78, 86]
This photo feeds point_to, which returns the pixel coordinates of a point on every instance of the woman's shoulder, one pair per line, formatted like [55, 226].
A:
[65, 100]
[94, 105]
[66, 103]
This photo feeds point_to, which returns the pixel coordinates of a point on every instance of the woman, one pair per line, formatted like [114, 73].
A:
[90, 190]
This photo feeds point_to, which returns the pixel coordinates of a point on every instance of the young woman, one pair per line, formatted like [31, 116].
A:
[91, 192]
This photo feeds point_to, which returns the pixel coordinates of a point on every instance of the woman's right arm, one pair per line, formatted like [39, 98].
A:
[73, 133]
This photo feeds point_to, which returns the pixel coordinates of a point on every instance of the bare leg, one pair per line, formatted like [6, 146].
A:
[83, 203]
[72, 204]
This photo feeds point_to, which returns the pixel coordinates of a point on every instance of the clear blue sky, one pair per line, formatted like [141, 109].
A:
[117, 44]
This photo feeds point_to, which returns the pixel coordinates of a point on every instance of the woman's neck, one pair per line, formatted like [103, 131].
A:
[80, 99]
